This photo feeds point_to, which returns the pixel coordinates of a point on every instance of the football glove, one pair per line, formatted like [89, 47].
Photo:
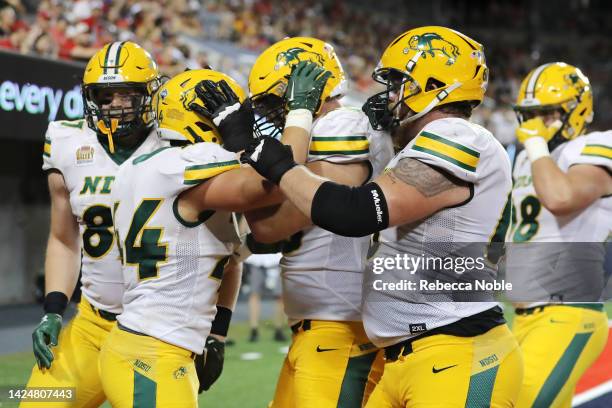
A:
[535, 127]
[209, 364]
[305, 86]
[270, 158]
[46, 334]
[221, 106]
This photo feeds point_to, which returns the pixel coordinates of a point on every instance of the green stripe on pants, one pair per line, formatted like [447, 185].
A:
[144, 391]
[354, 381]
[562, 371]
[481, 388]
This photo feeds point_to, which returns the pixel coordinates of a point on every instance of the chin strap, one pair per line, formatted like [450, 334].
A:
[114, 123]
[440, 96]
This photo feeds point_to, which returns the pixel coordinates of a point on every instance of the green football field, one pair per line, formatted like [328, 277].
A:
[248, 379]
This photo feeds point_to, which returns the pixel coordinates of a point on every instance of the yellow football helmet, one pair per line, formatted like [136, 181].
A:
[121, 66]
[175, 118]
[559, 87]
[427, 67]
[270, 73]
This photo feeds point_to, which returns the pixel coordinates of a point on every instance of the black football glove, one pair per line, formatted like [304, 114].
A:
[209, 364]
[221, 106]
[270, 158]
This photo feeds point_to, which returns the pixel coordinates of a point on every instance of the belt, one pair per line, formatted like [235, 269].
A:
[109, 316]
[470, 326]
[127, 329]
[302, 324]
[531, 310]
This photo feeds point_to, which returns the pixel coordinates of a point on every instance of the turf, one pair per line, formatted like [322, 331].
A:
[244, 383]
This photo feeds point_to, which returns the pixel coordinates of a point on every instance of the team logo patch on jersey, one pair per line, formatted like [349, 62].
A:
[180, 373]
[84, 155]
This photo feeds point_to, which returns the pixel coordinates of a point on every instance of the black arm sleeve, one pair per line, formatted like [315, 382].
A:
[350, 211]
[259, 248]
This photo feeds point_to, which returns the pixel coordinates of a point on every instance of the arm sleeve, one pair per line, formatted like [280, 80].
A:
[350, 211]
[453, 145]
[341, 136]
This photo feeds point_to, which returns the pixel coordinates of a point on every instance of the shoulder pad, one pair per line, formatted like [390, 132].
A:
[340, 136]
[58, 132]
[594, 148]
[453, 144]
[67, 128]
[205, 160]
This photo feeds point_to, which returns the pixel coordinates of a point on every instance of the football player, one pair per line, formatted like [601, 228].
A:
[563, 213]
[321, 271]
[176, 235]
[82, 158]
[448, 186]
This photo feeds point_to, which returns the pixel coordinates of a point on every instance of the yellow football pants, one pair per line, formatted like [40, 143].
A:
[333, 364]
[559, 343]
[75, 362]
[449, 371]
[144, 372]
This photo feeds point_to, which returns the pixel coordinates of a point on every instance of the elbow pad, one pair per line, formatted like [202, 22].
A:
[350, 211]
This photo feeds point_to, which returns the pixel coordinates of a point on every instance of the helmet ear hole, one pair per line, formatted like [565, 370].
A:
[433, 84]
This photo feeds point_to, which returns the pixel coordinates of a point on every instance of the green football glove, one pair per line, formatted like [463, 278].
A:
[306, 85]
[45, 334]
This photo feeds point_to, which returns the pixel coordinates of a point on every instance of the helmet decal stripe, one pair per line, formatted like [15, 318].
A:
[117, 59]
[111, 57]
[105, 64]
[530, 89]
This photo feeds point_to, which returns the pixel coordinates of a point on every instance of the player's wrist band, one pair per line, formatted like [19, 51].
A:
[536, 148]
[301, 118]
[55, 302]
[220, 325]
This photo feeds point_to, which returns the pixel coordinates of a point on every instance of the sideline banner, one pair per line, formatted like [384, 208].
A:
[35, 91]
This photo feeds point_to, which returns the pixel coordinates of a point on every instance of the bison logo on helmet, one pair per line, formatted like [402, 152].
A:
[429, 43]
[292, 57]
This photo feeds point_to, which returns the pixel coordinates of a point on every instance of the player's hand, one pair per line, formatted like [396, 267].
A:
[306, 86]
[535, 127]
[209, 364]
[46, 334]
[270, 158]
[221, 105]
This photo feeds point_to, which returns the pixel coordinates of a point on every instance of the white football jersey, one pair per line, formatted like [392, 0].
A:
[558, 258]
[171, 268]
[470, 153]
[89, 173]
[535, 223]
[321, 271]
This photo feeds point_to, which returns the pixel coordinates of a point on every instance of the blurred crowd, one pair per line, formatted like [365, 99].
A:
[75, 30]
[359, 29]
